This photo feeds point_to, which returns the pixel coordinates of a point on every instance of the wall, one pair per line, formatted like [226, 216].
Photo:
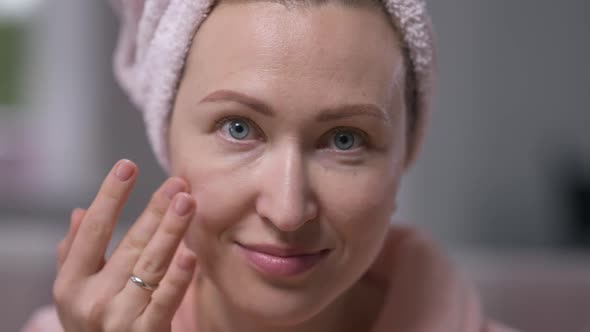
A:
[511, 116]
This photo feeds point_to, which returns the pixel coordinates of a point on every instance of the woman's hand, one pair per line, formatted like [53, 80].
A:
[94, 294]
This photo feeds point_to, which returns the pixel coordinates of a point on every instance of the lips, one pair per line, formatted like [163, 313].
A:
[282, 261]
[280, 251]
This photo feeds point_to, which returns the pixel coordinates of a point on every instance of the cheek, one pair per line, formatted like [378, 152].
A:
[359, 206]
[223, 199]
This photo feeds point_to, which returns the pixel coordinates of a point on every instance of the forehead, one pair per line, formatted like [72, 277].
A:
[318, 54]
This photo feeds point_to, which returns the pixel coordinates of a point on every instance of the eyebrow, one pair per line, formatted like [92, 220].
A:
[328, 114]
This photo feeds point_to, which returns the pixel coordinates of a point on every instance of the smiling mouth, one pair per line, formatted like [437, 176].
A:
[281, 262]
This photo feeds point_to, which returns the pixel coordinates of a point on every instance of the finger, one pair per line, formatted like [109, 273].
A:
[157, 255]
[169, 295]
[124, 258]
[61, 253]
[66, 243]
[89, 246]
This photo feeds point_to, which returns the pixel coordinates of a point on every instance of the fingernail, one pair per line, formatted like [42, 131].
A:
[173, 187]
[75, 213]
[75, 218]
[124, 170]
[187, 261]
[183, 205]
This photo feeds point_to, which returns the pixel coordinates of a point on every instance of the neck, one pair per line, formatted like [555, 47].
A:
[355, 310]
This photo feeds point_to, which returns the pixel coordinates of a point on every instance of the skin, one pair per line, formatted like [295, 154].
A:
[315, 72]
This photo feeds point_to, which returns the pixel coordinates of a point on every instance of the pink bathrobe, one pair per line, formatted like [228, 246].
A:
[425, 291]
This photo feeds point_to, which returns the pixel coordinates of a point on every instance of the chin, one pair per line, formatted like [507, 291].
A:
[278, 302]
[276, 299]
[280, 307]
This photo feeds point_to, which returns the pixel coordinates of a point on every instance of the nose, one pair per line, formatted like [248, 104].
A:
[285, 197]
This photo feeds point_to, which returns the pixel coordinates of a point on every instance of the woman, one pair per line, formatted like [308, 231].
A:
[286, 127]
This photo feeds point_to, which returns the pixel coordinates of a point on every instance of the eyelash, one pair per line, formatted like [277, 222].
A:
[219, 124]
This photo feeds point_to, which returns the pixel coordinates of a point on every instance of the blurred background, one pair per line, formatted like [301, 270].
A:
[503, 181]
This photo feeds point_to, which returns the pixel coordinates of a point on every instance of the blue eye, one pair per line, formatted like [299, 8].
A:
[238, 129]
[344, 140]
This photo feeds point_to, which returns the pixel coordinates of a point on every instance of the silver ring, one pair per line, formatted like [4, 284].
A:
[139, 282]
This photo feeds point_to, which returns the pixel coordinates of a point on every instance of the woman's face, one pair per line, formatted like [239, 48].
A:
[290, 126]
